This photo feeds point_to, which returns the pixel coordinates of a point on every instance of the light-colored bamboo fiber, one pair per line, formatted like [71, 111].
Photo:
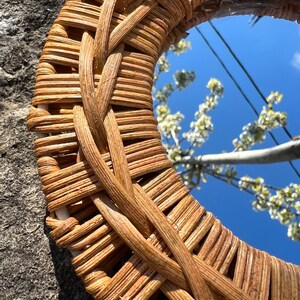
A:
[113, 197]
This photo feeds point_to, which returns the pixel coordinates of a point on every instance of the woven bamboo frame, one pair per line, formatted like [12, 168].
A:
[113, 197]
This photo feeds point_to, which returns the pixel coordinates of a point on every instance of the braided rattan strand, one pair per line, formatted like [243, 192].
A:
[124, 200]
[104, 170]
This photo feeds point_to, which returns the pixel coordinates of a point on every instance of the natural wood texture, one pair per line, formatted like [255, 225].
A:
[113, 197]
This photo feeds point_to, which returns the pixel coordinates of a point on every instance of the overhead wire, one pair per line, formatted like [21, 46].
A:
[227, 71]
[240, 89]
[260, 93]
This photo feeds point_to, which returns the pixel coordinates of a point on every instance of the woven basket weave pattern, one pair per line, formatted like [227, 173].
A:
[113, 197]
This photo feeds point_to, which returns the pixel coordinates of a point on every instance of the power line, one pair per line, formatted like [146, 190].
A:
[245, 70]
[240, 90]
[228, 72]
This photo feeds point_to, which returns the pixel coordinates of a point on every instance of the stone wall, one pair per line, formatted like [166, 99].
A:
[31, 267]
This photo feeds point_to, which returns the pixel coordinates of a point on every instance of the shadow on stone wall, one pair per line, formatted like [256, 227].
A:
[31, 266]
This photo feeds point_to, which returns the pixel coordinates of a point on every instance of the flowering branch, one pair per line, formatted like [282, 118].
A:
[284, 152]
[283, 204]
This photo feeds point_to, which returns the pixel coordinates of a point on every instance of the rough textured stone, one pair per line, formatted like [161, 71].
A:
[31, 267]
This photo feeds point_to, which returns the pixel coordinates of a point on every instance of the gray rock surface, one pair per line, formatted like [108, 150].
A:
[31, 267]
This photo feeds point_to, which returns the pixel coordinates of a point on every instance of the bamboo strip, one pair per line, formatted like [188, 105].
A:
[175, 8]
[224, 251]
[165, 266]
[109, 182]
[85, 17]
[185, 210]
[173, 293]
[94, 256]
[230, 256]
[80, 231]
[133, 152]
[212, 238]
[77, 175]
[276, 282]
[121, 281]
[295, 282]
[180, 252]
[265, 277]
[240, 265]
[130, 22]
[218, 246]
[80, 190]
[102, 34]
[250, 262]
[86, 213]
[88, 92]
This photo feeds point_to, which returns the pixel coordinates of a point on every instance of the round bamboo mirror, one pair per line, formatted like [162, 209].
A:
[114, 200]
